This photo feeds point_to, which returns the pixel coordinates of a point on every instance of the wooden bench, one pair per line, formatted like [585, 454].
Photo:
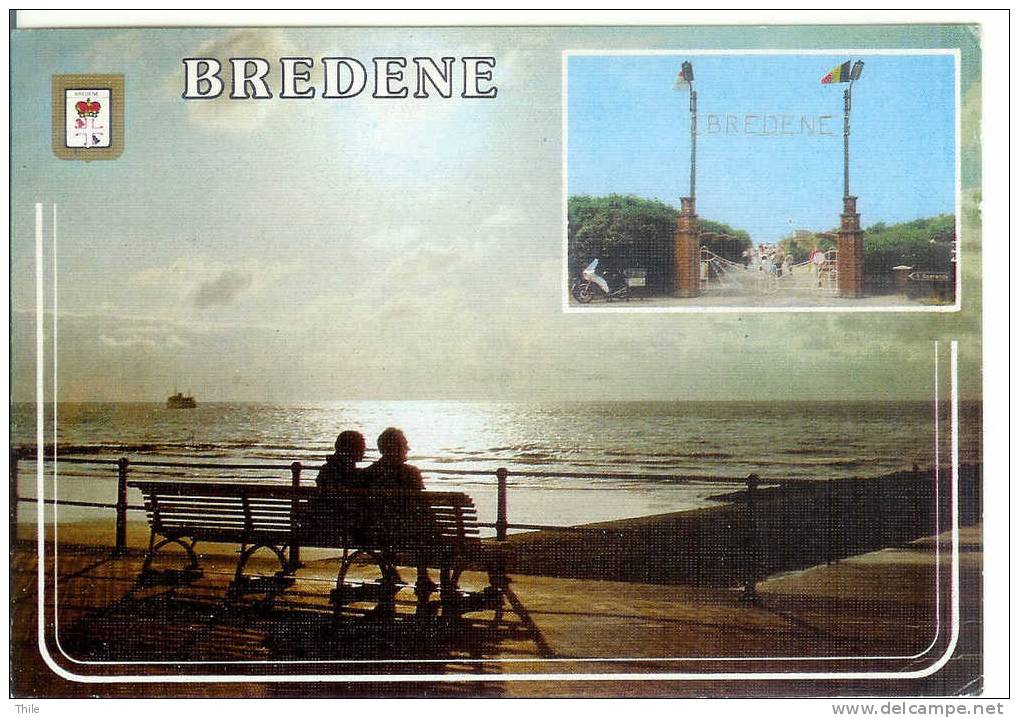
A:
[437, 529]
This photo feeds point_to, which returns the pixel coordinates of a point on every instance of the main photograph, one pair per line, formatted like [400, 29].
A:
[305, 400]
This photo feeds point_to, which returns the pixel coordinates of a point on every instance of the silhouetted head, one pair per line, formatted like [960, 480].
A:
[350, 445]
[393, 444]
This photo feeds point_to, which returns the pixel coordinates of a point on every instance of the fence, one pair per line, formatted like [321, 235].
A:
[750, 535]
[296, 469]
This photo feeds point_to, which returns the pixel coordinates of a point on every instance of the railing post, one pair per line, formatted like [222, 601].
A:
[295, 483]
[14, 497]
[752, 546]
[879, 523]
[501, 522]
[915, 489]
[121, 545]
[830, 543]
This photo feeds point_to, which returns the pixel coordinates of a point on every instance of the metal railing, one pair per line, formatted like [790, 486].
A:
[748, 526]
[840, 528]
[123, 465]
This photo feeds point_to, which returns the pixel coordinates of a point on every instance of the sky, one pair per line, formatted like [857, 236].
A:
[629, 133]
[366, 249]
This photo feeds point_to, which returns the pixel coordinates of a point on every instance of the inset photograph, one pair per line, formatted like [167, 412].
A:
[757, 181]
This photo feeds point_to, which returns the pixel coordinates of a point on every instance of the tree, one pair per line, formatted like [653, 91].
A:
[800, 244]
[625, 231]
[924, 244]
[723, 240]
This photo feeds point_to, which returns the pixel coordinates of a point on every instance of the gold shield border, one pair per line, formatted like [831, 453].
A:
[113, 83]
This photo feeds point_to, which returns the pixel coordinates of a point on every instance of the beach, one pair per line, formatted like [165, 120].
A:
[789, 527]
[658, 594]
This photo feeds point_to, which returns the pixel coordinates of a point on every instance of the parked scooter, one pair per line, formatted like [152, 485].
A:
[605, 284]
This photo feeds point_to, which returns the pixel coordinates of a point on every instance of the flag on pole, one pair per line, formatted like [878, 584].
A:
[839, 74]
[684, 78]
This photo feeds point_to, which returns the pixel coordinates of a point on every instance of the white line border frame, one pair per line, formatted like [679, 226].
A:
[577, 660]
[456, 677]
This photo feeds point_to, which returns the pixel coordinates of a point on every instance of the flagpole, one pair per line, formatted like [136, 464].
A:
[693, 142]
[847, 104]
[849, 264]
[686, 242]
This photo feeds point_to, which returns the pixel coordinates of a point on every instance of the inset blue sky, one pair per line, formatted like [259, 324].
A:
[769, 147]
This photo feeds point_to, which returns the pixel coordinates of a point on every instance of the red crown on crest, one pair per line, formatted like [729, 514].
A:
[87, 109]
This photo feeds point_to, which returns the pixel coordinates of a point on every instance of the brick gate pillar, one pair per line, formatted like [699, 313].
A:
[850, 257]
[687, 251]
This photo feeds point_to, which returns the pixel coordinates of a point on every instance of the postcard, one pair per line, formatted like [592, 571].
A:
[497, 361]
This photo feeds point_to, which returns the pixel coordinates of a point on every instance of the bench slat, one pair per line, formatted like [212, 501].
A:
[222, 523]
[202, 501]
[222, 520]
[202, 516]
[239, 520]
[226, 535]
[213, 510]
[239, 526]
[209, 500]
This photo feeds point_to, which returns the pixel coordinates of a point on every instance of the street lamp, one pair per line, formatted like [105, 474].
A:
[684, 81]
[687, 255]
[847, 101]
[849, 264]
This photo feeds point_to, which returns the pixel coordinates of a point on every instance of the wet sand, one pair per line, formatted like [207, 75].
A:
[789, 527]
[639, 597]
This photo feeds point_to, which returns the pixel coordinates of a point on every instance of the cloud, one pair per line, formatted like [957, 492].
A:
[143, 341]
[224, 115]
[223, 289]
[117, 50]
[169, 278]
[201, 282]
[506, 217]
[970, 131]
[970, 115]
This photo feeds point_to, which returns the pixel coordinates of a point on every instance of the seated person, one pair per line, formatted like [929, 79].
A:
[340, 469]
[392, 471]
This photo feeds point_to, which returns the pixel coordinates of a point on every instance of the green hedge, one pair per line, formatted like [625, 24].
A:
[923, 244]
[626, 231]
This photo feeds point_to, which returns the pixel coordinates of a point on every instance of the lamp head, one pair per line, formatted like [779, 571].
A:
[857, 70]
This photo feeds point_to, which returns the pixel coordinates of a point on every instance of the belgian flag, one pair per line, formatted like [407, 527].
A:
[839, 74]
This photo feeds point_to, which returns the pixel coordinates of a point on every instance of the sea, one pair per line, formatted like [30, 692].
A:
[569, 462]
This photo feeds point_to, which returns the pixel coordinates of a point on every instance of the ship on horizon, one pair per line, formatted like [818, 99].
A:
[181, 401]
